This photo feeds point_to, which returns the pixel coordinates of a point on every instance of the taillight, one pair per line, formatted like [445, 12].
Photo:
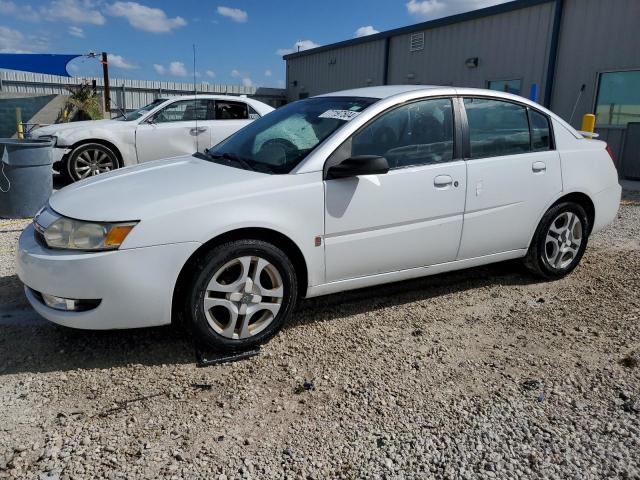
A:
[610, 152]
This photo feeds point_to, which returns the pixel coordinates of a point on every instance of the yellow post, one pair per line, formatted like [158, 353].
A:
[588, 123]
[19, 128]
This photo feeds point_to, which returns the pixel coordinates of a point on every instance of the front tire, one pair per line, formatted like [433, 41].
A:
[89, 160]
[240, 296]
[559, 242]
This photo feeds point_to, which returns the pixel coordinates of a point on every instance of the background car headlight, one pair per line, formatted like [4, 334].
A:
[52, 138]
[68, 233]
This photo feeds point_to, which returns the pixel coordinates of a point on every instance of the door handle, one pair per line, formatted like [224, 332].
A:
[198, 130]
[442, 181]
[539, 167]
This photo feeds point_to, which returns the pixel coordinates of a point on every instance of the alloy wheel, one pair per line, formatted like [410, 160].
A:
[92, 162]
[563, 240]
[243, 297]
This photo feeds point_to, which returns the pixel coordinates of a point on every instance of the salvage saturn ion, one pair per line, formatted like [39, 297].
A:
[326, 194]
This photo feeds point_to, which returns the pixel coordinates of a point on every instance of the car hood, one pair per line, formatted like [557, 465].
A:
[63, 128]
[155, 188]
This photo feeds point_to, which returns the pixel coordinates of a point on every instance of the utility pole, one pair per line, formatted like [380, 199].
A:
[105, 73]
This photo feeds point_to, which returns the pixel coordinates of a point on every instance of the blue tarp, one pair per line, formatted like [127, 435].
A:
[37, 62]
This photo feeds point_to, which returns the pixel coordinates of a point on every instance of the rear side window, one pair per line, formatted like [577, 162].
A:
[540, 131]
[496, 128]
[231, 110]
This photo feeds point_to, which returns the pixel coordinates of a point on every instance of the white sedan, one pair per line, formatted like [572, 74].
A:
[165, 128]
[330, 193]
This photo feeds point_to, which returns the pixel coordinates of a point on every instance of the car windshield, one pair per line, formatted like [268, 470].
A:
[136, 114]
[279, 141]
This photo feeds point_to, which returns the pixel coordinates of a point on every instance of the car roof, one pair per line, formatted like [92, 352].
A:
[382, 91]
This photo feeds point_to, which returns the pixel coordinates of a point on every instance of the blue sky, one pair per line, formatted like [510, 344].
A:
[237, 41]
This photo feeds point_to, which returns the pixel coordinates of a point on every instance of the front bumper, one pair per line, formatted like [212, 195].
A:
[134, 286]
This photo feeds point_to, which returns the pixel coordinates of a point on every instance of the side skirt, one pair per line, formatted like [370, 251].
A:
[380, 278]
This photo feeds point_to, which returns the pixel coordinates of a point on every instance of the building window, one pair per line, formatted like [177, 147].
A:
[618, 100]
[508, 86]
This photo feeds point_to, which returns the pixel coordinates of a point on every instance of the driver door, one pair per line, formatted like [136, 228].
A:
[181, 128]
[410, 217]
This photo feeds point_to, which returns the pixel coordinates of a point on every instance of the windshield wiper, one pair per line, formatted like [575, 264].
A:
[232, 157]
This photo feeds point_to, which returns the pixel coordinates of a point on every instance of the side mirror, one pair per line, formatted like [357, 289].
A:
[359, 165]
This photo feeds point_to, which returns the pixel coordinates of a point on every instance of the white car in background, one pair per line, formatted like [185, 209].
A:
[165, 128]
[326, 194]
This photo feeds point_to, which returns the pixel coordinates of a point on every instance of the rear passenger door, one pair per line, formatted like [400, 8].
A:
[513, 171]
[229, 117]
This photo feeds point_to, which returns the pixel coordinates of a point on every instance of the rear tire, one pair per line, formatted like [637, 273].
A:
[89, 160]
[559, 242]
[240, 295]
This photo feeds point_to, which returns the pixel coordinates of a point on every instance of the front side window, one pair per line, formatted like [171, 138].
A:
[418, 133]
[136, 114]
[231, 110]
[278, 142]
[496, 128]
[618, 101]
[507, 86]
[185, 111]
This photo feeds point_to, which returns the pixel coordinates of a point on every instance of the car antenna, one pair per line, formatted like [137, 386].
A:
[575, 105]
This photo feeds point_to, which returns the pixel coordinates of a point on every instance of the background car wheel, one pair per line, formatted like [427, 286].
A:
[559, 242]
[90, 159]
[241, 295]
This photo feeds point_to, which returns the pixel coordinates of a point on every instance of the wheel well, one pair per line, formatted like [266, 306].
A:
[107, 144]
[275, 238]
[584, 201]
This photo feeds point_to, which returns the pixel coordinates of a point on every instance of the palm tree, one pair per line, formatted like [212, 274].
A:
[83, 104]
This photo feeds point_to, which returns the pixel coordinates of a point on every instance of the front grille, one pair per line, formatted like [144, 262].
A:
[39, 234]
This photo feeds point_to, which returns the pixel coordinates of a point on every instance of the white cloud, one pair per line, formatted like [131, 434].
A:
[281, 83]
[267, 73]
[299, 46]
[73, 11]
[23, 12]
[118, 61]
[429, 9]
[76, 32]
[14, 41]
[145, 18]
[210, 74]
[234, 14]
[244, 78]
[177, 69]
[364, 31]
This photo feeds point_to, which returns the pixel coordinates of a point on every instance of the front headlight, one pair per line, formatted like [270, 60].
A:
[51, 138]
[68, 233]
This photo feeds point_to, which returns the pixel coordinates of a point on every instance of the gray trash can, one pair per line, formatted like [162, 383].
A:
[26, 178]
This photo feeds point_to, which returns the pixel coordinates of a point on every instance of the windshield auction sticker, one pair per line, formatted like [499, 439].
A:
[345, 115]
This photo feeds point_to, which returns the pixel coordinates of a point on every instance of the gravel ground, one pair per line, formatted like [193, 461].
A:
[485, 373]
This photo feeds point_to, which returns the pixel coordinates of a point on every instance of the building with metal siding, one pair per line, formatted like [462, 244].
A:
[556, 45]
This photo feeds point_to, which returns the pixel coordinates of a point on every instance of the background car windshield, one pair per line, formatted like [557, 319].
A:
[282, 139]
[136, 114]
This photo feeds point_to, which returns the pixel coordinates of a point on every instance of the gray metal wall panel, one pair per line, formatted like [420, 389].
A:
[509, 46]
[342, 68]
[595, 36]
